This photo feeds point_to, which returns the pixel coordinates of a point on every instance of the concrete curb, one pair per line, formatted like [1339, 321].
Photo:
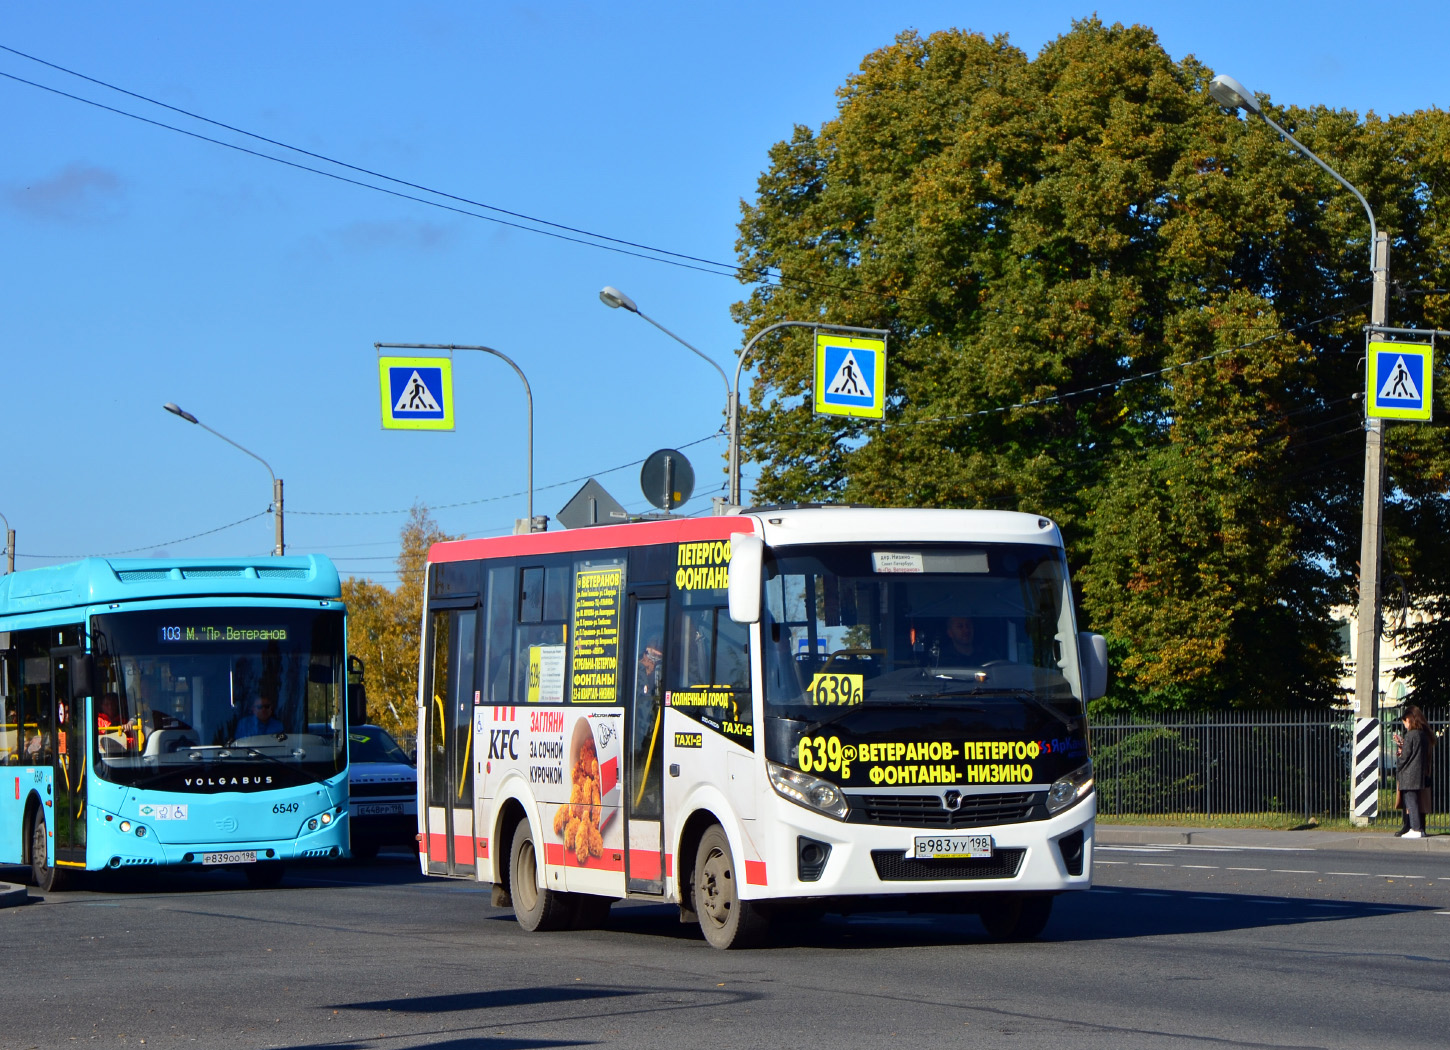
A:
[1140, 835]
[11, 894]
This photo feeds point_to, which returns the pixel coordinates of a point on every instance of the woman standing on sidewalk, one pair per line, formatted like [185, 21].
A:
[1412, 779]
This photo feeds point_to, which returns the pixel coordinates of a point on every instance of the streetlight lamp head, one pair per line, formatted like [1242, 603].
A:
[1227, 91]
[613, 298]
[177, 410]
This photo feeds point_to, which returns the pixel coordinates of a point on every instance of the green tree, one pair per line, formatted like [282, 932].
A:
[1113, 302]
[383, 629]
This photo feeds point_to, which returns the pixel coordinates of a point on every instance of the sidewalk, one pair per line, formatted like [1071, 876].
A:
[1250, 838]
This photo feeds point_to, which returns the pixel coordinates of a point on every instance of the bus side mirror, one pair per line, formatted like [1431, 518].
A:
[82, 675]
[1093, 660]
[747, 554]
[357, 696]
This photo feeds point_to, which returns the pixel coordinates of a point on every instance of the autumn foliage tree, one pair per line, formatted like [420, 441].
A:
[383, 630]
[1112, 301]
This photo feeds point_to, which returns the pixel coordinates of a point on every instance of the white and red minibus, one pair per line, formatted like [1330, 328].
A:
[802, 709]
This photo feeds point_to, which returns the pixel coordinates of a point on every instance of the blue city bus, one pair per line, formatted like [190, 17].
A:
[167, 712]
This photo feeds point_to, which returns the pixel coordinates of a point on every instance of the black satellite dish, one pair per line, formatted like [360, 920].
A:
[667, 479]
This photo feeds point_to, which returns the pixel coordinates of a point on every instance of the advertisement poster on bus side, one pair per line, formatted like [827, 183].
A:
[598, 596]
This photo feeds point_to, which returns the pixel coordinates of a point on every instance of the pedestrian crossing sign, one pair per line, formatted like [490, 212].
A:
[850, 376]
[417, 392]
[1400, 381]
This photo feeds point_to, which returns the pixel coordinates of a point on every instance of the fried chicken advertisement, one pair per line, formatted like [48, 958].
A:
[578, 819]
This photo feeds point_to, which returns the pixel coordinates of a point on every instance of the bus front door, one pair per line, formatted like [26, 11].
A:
[70, 767]
[644, 731]
[448, 766]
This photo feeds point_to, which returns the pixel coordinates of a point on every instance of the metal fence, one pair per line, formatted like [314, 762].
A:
[1246, 763]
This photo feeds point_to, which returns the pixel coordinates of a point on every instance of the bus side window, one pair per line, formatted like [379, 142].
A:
[498, 635]
[711, 652]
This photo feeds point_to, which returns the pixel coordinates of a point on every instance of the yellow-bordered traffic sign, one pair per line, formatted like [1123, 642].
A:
[1400, 381]
[850, 376]
[416, 392]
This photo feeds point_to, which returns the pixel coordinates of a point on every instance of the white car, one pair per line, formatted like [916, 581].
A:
[382, 792]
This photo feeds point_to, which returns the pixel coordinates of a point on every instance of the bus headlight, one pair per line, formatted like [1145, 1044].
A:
[806, 790]
[1071, 789]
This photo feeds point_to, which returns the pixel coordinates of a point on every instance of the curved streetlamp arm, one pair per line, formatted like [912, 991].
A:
[9, 545]
[239, 448]
[699, 353]
[1373, 229]
[280, 546]
[735, 396]
[528, 393]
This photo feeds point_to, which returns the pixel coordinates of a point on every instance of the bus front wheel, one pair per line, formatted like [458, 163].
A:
[535, 908]
[47, 878]
[725, 919]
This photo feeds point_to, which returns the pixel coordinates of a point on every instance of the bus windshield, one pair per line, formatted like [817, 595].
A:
[855, 626]
[180, 691]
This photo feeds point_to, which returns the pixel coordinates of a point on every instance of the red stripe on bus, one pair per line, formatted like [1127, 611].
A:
[755, 872]
[644, 864]
[483, 849]
[438, 847]
[463, 849]
[17, 787]
[669, 865]
[556, 854]
[637, 534]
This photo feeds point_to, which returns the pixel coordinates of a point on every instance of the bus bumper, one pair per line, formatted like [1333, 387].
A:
[824, 858]
[121, 842]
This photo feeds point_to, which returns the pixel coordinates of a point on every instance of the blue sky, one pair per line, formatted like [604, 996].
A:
[142, 266]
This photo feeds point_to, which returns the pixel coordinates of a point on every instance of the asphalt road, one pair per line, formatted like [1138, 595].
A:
[1181, 946]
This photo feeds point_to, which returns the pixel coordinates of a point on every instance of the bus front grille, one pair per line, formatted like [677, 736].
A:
[892, 865]
[927, 811]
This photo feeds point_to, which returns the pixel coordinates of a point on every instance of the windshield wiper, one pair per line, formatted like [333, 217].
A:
[173, 770]
[1025, 695]
[847, 709]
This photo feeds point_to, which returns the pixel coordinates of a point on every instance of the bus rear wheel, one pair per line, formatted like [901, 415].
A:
[47, 878]
[535, 908]
[725, 919]
[1018, 917]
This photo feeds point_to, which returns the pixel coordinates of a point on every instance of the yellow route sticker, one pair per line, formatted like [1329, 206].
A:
[837, 689]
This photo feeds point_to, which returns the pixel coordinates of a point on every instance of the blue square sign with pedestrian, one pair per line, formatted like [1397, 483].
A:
[1400, 381]
[850, 377]
[417, 393]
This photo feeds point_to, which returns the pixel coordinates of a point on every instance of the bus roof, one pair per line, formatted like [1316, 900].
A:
[778, 527]
[95, 581]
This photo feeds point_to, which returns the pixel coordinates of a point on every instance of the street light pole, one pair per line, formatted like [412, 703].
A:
[614, 298]
[280, 547]
[1364, 786]
[9, 546]
[528, 394]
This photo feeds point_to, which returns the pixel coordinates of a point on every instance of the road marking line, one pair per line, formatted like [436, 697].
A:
[1110, 862]
[1150, 864]
[1247, 869]
[1399, 876]
[1212, 867]
[1362, 874]
[1294, 871]
[1442, 913]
